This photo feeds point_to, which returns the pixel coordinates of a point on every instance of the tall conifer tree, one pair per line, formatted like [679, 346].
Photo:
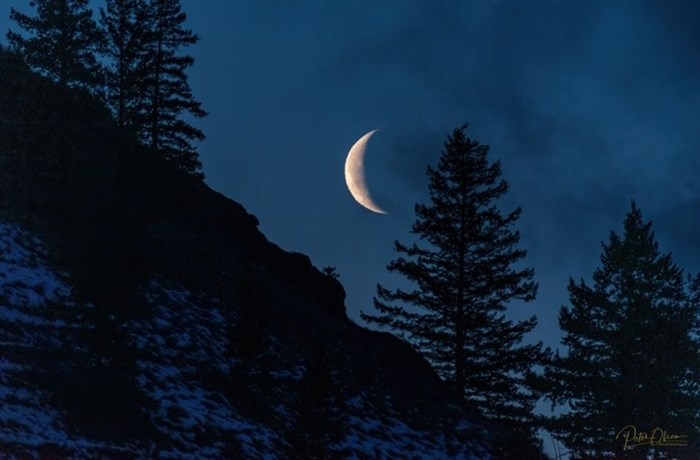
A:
[124, 25]
[62, 44]
[464, 279]
[165, 85]
[632, 351]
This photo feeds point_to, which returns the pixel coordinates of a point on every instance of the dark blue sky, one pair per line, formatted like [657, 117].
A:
[587, 105]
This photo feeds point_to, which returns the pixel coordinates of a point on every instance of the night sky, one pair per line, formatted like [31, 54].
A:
[586, 105]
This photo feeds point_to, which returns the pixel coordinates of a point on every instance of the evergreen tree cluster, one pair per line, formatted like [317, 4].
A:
[131, 60]
[632, 340]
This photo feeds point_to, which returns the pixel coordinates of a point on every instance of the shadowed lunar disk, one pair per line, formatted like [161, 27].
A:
[355, 174]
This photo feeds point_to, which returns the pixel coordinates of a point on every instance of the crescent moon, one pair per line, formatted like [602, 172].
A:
[355, 174]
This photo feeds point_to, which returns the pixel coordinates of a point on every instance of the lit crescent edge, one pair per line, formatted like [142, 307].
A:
[355, 174]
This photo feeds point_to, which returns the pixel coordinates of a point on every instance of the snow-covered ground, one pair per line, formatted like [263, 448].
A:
[29, 426]
[183, 336]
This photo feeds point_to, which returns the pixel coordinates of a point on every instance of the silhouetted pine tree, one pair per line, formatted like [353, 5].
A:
[632, 350]
[124, 28]
[63, 42]
[464, 278]
[330, 271]
[167, 92]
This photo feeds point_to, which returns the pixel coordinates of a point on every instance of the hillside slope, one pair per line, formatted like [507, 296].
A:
[388, 401]
[144, 315]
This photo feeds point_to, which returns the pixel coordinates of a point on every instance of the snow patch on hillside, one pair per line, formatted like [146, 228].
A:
[25, 280]
[27, 283]
[179, 342]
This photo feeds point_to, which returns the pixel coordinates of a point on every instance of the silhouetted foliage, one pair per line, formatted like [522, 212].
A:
[164, 84]
[63, 42]
[464, 280]
[124, 23]
[633, 355]
[331, 271]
